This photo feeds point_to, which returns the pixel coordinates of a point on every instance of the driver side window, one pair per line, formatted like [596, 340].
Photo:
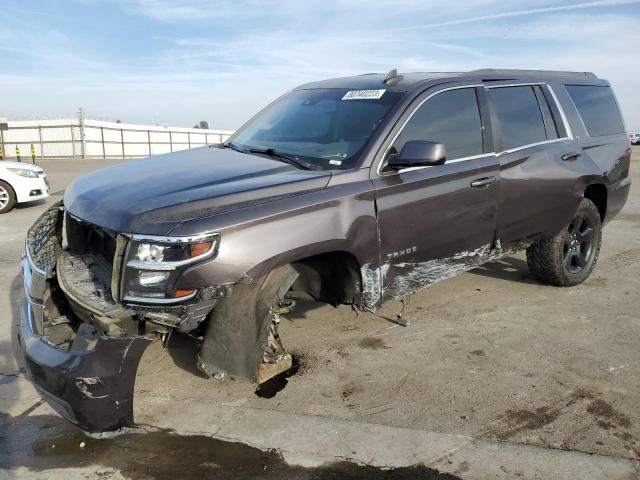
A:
[451, 118]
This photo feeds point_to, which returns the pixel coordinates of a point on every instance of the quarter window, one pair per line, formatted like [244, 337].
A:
[598, 109]
[451, 118]
[519, 115]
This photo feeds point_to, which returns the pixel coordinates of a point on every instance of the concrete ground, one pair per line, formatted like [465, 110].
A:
[497, 376]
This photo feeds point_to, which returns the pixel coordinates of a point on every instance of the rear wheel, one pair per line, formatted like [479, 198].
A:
[569, 258]
[7, 197]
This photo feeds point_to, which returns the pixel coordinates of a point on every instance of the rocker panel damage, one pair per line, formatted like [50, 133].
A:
[394, 280]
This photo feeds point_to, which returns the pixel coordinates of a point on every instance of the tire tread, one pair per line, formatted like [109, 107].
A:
[544, 257]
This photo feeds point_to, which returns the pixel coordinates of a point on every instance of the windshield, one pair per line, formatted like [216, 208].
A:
[325, 128]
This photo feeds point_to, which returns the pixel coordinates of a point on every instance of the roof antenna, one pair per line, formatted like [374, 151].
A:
[392, 78]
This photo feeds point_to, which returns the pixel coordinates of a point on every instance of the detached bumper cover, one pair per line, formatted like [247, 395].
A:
[92, 389]
[91, 383]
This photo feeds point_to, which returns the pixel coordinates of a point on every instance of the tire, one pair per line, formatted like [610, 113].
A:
[7, 197]
[568, 258]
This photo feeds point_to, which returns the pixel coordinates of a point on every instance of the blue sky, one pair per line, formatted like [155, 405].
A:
[181, 61]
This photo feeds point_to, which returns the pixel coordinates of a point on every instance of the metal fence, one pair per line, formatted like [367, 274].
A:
[80, 138]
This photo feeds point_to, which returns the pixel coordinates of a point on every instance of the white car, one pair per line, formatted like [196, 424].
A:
[21, 182]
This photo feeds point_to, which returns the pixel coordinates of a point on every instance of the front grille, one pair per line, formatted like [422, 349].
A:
[44, 238]
[85, 238]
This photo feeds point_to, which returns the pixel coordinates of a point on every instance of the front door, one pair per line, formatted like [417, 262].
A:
[437, 221]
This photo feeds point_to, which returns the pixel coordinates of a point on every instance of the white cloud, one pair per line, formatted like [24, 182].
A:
[522, 13]
[197, 72]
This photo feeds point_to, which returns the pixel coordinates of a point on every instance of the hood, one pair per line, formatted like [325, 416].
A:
[23, 165]
[153, 195]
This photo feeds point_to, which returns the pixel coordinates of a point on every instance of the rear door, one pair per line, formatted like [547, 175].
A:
[536, 184]
[432, 222]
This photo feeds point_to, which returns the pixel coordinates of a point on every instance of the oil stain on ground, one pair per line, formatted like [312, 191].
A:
[524, 419]
[372, 343]
[603, 410]
[515, 421]
[165, 455]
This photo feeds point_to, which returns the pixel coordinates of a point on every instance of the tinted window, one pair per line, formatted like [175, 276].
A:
[451, 118]
[519, 116]
[598, 109]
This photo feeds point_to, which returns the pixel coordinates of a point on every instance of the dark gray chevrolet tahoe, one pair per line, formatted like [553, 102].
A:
[355, 190]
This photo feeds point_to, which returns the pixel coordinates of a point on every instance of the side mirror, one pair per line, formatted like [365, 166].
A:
[417, 153]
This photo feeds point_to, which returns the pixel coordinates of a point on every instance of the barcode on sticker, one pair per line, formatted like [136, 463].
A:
[363, 94]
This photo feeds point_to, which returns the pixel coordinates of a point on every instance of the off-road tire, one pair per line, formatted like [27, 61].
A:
[547, 259]
[10, 197]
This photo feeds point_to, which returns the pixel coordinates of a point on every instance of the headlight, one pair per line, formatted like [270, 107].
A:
[151, 264]
[24, 172]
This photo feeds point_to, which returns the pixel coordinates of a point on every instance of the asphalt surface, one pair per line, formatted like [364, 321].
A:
[497, 376]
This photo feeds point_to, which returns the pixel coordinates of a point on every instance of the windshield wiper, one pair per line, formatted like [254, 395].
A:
[232, 146]
[285, 157]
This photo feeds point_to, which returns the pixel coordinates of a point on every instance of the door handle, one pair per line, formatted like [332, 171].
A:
[483, 182]
[571, 155]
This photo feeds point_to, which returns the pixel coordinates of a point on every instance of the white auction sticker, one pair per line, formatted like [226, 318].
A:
[363, 94]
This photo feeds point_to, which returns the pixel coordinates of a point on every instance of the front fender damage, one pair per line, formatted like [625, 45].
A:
[242, 338]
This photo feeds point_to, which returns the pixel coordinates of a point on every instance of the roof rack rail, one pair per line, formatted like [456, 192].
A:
[538, 73]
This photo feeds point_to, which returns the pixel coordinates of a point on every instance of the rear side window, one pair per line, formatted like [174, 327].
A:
[451, 118]
[519, 116]
[598, 109]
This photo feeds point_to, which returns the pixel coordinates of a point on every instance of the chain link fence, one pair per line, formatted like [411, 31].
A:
[80, 138]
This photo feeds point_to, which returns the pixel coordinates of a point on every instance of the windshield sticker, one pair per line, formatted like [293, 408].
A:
[363, 94]
[335, 162]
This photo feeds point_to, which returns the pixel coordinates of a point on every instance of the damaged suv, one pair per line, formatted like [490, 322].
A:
[355, 190]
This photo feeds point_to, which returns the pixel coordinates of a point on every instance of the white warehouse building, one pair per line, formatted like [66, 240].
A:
[80, 138]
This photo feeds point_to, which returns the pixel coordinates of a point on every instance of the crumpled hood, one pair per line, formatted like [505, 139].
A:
[153, 195]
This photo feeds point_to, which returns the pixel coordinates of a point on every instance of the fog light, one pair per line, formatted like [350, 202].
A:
[152, 279]
[35, 193]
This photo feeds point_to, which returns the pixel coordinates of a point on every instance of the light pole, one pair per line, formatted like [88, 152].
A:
[4, 125]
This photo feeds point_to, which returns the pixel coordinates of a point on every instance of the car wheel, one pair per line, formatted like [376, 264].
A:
[7, 197]
[569, 258]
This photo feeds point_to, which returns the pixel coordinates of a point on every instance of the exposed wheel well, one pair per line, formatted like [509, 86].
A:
[332, 277]
[597, 193]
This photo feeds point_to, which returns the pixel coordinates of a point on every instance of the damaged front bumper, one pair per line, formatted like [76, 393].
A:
[91, 384]
[86, 376]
